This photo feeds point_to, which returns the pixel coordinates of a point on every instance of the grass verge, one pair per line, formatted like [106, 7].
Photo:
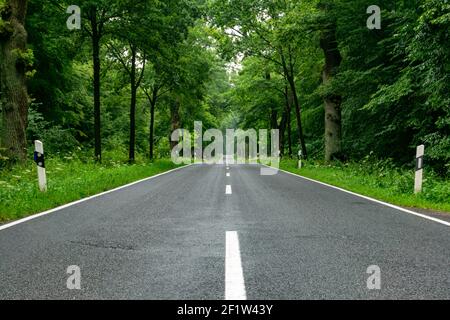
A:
[380, 180]
[68, 181]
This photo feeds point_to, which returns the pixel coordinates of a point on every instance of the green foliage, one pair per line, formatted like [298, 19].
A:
[56, 139]
[179, 63]
[25, 58]
[395, 81]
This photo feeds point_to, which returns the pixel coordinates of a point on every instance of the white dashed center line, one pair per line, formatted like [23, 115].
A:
[228, 174]
[228, 190]
[234, 276]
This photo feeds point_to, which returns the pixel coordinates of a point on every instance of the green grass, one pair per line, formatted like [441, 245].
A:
[68, 180]
[380, 180]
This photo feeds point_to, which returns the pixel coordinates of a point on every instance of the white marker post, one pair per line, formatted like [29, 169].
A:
[40, 162]
[300, 156]
[419, 169]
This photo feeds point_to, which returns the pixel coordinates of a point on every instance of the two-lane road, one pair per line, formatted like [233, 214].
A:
[182, 235]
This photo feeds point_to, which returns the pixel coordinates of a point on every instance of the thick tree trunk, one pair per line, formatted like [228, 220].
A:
[332, 102]
[134, 87]
[96, 37]
[14, 95]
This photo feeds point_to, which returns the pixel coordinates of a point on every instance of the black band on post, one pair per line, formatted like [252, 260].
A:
[39, 159]
[419, 163]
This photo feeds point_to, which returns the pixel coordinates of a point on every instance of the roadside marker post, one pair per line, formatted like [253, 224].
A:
[419, 169]
[300, 156]
[40, 162]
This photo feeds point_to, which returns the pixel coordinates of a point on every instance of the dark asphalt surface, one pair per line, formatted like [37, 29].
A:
[165, 239]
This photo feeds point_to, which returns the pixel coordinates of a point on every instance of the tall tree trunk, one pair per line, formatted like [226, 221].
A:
[273, 116]
[13, 88]
[289, 74]
[96, 37]
[273, 119]
[282, 129]
[289, 119]
[289, 133]
[152, 121]
[174, 119]
[332, 102]
[298, 116]
[134, 87]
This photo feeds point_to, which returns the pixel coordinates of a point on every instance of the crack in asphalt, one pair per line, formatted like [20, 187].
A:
[105, 245]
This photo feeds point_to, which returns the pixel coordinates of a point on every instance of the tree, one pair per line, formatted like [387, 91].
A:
[99, 15]
[15, 61]
[332, 99]
[155, 86]
[129, 57]
[257, 28]
[132, 49]
[261, 95]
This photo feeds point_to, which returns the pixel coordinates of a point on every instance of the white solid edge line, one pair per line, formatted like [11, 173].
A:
[37, 215]
[228, 190]
[370, 199]
[234, 275]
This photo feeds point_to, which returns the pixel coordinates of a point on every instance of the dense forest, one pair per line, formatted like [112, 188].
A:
[136, 70]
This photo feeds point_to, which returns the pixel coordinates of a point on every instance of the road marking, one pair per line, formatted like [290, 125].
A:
[228, 168]
[371, 199]
[38, 215]
[234, 276]
[228, 190]
[228, 174]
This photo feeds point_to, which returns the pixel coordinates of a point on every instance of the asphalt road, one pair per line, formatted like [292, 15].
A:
[166, 238]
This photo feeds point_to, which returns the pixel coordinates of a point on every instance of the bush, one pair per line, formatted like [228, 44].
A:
[57, 141]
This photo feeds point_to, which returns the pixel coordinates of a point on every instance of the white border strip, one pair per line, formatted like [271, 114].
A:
[234, 276]
[35, 216]
[371, 199]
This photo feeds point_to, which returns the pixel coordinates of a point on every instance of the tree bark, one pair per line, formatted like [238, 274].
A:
[96, 37]
[132, 146]
[332, 101]
[174, 119]
[273, 119]
[13, 88]
[282, 128]
[289, 133]
[152, 121]
[288, 112]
